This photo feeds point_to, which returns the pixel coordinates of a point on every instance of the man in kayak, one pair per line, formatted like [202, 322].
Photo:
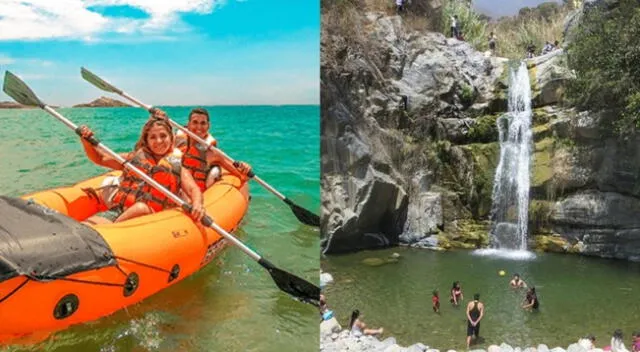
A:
[153, 154]
[203, 163]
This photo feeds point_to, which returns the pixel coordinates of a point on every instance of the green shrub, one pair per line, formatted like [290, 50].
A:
[605, 54]
[472, 24]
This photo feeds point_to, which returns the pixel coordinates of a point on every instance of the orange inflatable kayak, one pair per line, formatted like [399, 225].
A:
[55, 271]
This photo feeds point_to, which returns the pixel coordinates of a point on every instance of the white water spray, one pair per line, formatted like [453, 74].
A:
[510, 198]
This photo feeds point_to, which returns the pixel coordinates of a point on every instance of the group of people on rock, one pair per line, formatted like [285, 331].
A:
[356, 325]
[617, 342]
[547, 48]
[175, 161]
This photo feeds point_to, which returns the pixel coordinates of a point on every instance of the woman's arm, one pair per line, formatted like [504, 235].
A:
[190, 187]
[96, 155]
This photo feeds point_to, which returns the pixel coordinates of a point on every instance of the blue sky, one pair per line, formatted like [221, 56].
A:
[497, 8]
[165, 52]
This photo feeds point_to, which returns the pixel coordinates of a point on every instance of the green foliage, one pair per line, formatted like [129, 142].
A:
[468, 94]
[472, 24]
[532, 26]
[605, 55]
[485, 130]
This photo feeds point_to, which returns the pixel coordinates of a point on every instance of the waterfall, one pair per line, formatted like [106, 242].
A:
[510, 198]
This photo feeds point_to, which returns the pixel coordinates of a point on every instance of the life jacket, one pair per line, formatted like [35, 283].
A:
[194, 158]
[133, 188]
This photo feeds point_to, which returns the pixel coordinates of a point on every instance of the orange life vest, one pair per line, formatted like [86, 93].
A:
[133, 188]
[194, 158]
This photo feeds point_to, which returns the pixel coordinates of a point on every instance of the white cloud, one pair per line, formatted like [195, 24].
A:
[78, 19]
[6, 60]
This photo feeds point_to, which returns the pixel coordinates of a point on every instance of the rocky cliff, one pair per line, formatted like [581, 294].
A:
[409, 148]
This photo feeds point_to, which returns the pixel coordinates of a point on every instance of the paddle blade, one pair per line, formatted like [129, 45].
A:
[19, 91]
[98, 82]
[305, 216]
[299, 288]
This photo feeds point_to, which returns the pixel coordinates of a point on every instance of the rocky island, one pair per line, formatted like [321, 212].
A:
[103, 102]
[12, 105]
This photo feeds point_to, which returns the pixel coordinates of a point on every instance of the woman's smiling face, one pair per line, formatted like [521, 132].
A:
[159, 140]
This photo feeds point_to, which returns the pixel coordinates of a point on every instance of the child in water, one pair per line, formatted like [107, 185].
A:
[435, 300]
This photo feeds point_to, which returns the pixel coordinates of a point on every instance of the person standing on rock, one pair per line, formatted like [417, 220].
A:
[399, 6]
[454, 26]
[475, 312]
[492, 43]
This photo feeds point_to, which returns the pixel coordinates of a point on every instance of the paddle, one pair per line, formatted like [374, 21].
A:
[304, 215]
[289, 283]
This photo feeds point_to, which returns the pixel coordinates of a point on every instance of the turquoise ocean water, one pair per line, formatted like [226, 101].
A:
[231, 304]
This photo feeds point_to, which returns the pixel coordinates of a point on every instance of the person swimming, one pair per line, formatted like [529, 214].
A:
[435, 301]
[456, 293]
[517, 282]
[531, 300]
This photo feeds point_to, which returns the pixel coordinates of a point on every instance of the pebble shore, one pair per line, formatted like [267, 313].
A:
[335, 339]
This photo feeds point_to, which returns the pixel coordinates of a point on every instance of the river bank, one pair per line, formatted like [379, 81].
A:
[344, 341]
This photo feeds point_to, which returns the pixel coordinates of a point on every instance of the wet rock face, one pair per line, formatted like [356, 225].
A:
[409, 148]
[397, 84]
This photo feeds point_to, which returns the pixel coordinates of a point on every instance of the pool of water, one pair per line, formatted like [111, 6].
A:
[578, 295]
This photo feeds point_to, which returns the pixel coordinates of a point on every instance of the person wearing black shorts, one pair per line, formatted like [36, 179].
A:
[475, 312]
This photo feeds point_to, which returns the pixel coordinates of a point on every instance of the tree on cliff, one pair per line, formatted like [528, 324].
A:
[605, 53]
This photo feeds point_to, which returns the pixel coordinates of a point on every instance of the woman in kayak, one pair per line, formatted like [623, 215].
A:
[154, 155]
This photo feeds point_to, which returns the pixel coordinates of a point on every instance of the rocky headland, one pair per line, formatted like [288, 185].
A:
[12, 105]
[102, 102]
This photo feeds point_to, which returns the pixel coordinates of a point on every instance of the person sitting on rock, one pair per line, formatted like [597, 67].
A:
[635, 347]
[588, 342]
[325, 312]
[617, 343]
[358, 327]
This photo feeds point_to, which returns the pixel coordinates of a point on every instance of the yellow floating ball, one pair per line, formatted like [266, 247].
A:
[501, 273]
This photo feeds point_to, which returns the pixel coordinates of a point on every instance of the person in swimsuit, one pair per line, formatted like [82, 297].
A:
[531, 300]
[359, 328]
[517, 282]
[635, 347]
[456, 293]
[435, 301]
[475, 312]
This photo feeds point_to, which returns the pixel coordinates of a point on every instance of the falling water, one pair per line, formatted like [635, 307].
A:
[509, 213]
